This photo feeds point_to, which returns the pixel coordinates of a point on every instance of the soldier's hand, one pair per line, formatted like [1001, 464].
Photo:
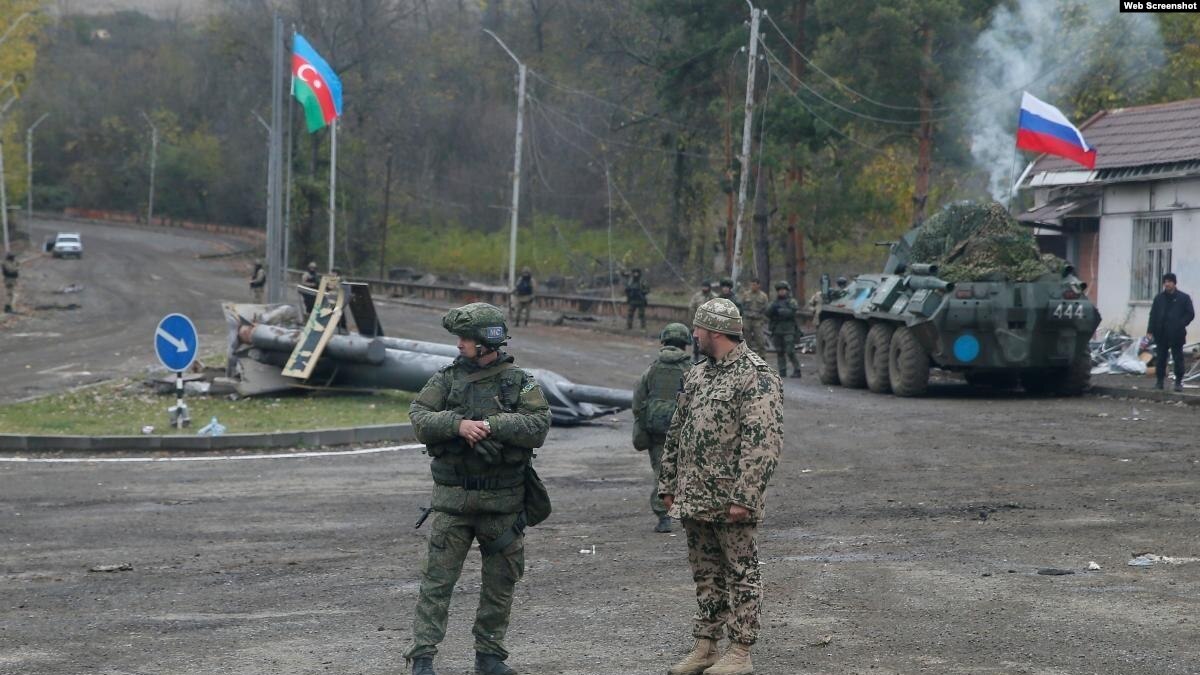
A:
[669, 500]
[738, 513]
[490, 450]
[473, 431]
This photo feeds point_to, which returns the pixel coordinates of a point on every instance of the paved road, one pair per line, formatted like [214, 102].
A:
[131, 278]
[903, 536]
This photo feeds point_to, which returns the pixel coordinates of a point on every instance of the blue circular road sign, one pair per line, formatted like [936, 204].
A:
[175, 342]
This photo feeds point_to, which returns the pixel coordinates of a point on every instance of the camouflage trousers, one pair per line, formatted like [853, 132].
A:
[10, 293]
[656, 452]
[640, 310]
[524, 305]
[257, 291]
[449, 542]
[785, 350]
[724, 562]
[752, 328]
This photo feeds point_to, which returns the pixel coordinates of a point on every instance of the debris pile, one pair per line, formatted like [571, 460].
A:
[969, 241]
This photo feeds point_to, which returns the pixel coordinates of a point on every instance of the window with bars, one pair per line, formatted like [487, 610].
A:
[1151, 255]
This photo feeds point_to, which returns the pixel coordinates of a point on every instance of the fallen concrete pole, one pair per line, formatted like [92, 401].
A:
[355, 362]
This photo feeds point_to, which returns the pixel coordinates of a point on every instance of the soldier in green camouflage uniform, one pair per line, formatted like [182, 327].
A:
[722, 447]
[12, 272]
[636, 292]
[480, 419]
[654, 405]
[754, 304]
[783, 316]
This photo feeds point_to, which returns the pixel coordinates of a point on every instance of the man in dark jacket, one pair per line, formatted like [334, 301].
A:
[1169, 318]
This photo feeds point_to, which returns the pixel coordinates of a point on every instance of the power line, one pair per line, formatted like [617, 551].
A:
[827, 123]
[636, 146]
[858, 94]
[597, 160]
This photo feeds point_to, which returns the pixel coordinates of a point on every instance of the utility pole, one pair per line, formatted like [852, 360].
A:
[153, 162]
[3, 192]
[274, 257]
[516, 188]
[29, 165]
[747, 139]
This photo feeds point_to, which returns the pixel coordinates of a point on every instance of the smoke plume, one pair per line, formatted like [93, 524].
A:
[1048, 48]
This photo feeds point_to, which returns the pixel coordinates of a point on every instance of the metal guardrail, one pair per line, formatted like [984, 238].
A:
[551, 302]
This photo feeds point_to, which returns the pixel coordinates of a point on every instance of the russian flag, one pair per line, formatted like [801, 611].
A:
[1043, 128]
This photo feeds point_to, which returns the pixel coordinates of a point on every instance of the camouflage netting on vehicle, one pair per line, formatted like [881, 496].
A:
[970, 241]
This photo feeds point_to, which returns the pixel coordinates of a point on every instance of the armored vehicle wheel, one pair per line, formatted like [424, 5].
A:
[851, 343]
[908, 364]
[875, 356]
[1078, 376]
[827, 332]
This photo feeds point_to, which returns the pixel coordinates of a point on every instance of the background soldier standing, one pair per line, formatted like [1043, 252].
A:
[480, 419]
[258, 279]
[721, 450]
[784, 318]
[523, 295]
[726, 292]
[636, 290]
[654, 404]
[754, 307]
[698, 298]
[12, 271]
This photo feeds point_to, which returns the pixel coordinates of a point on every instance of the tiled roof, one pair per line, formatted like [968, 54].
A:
[1145, 135]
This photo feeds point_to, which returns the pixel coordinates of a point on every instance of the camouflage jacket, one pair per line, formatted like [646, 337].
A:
[465, 479]
[754, 305]
[12, 269]
[657, 391]
[725, 437]
[636, 290]
[784, 316]
[698, 298]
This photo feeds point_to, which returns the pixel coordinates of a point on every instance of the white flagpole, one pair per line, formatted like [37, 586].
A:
[332, 186]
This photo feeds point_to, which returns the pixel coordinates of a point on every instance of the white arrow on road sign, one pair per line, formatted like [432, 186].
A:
[175, 342]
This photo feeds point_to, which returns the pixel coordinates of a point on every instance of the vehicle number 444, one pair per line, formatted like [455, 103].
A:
[1069, 310]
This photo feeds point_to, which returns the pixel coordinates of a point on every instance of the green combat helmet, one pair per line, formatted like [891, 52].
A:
[676, 334]
[478, 321]
[783, 286]
[719, 315]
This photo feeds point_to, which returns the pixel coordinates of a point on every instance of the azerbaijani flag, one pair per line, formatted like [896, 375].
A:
[315, 85]
[1043, 128]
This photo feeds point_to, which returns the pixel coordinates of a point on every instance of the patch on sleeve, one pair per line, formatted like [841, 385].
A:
[529, 386]
[766, 383]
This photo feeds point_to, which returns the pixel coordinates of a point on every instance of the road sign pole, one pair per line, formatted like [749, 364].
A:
[180, 409]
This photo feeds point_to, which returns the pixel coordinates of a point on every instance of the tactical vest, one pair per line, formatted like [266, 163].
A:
[455, 463]
[524, 286]
[663, 384]
[783, 312]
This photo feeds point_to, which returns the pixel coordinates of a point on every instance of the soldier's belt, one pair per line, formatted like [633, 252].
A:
[481, 482]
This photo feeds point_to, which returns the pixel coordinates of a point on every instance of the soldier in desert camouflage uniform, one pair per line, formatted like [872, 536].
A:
[754, 309]
[722, 447]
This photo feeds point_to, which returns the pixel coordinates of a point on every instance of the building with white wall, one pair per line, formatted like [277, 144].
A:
[1134, 217]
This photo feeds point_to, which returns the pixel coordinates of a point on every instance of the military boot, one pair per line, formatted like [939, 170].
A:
[703, 655]
[423, 665]
[664, 524]
[490, 664]
[735, 661]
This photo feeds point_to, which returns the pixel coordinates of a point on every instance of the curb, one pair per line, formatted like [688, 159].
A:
[1145, 394]
[275, 440]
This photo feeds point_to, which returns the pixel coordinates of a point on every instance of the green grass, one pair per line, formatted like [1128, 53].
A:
[123, 408]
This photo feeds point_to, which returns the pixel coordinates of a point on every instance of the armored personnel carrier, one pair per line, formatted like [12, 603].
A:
[998, 328]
